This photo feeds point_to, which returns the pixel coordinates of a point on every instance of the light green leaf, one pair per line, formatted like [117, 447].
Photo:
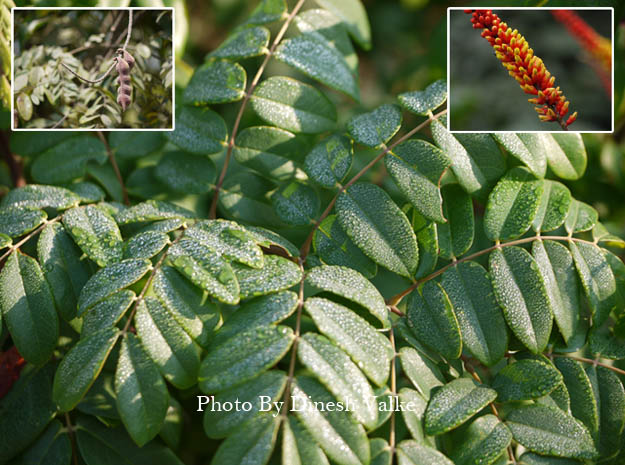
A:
[422, 102]
[528, 148]
[186, 173]
[243, 357]
[199, 130]
[244, 43]
[412, 453]
[28, 308]
[455, 403]
[354, 16]
[455, 236]
[38, 196]
[252, 444]
[381, 453]
[566, 155]
[81, 366]
[17, 221]
[293, 105]
[298, 446]
[526, 379]
[520, 290]
[422, 372]
[145, 244]
[482, 442]
[217, 81]
[276, 275]
[267, 11]
[480, 319]
[372, 220]
[432, 320]
[296, 204]
[417, 166]
[413, 414]
[152, 210]
[377, 127]
[329, 161]
[167, 344]
[553, 208]
[550, 431]
[106, 313]
[244, 198]
[53, 447]
[142, 397]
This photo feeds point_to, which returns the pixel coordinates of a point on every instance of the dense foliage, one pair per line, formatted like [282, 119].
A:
[457, 291]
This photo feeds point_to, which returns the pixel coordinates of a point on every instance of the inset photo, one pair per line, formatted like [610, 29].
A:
[93, 68]
[530, 69]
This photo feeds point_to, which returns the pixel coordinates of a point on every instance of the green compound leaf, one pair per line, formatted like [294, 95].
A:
[167, 344]
[526, 379]
[329, 161]
[520, 290]
[109, 280]
[317, 59]
[205, 268]
[482, 442]
[28, 308]
[38, 196]
[145, 244]
[558, 271]
[376, 224]
[377, 127]
[106, 313]
[339, 375]
[432, 320]
[244, 43]
[351, 285]
[341, 437]
[199, 130]
[152, 210]
[81, 366]
[553, 208]
[68, 160]
[354, 17]
[296, 204]
[581, 217]
[216, 82]
[367, 347]
[412, 453]
[455, 237]
[252, 444]
[597, 279]
[455, 403]
[480, 319]
[550, 431]
[260, 392]
[243, 357]
[278, 274]
[422, 372]
[53, 447]
[182, 172]
[292, 105]
[566, 155]
[512, 205]
[17, 221]
[417, 166]
[422, 102]
[529, 149]
[142, 397]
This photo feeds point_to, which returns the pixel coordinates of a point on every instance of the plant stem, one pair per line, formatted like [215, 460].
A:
[28, 236]
[246, 98]
[72, 438]
[594, 362]
[129, 29]
[95, 81]
[118, 174]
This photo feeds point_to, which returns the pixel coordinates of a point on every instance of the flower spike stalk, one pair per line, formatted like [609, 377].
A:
[518, 58]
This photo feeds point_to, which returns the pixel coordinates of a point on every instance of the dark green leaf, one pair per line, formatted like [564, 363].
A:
[529, 149]
[53, 447]
[529, 458]
[217, 81]
[244, 43]
[135, 144]
[244, 198]
[553, 208]
[482, 442]
[145, 244]
[377, 127]
[455, 236]
[526, 379]
[277, 274]
[267, 11]
[412, 453]
[298, 446]
[566, 154]
[296, 204]
[270, 239]
[427, 241]
[186, 173]
[199, 130]
[252, 444]
[381, 453]
[422, 102]
[152, 210]
[354, 16]
[610, 397]
[38, 196]
[17, 221]
[106, 313]
[329, 161]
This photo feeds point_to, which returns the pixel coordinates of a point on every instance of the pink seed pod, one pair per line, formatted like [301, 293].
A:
[125, 62]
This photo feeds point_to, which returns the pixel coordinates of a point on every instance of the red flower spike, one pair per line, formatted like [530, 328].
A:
[11, 364]
[528, 70]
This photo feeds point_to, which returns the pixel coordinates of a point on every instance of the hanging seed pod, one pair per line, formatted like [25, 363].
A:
[125, 63]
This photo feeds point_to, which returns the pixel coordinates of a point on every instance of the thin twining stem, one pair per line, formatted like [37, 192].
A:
[398, 297]
[28, 236]
[306, 247]
[129, 29]
[95, 81]
[246, 98]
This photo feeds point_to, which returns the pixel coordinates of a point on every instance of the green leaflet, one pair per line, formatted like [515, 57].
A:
[96, 233]
[368, 348]
[597, 279]
[171, 432]
[107, 313]
[482, 442]
[260, 392]
[296, 204]
[412, 453]
[520, 290]
[353, 16]
[5, 241]
[339, 375]
[145, 244]
[525, 380]
[217, 81]
[292, 105]
[550, 431]
[278, 274]
[351, 285]
[512, 205]
[529, 458]
[39, 196]
[581, 217]
[205, 268]
[81, 366]
[186, 173]
[142, 397]
[330, 160]
[167, 344]
[480, 319]
[243, 357]
[36, 142]
[252, 444]
[28, 308]
[86, 191]
[455, 403]
[432, 320]
[267, 11]
[372, 220]
[17, 221]
[422, 372]
[529, 149]
[317, 59]
[298, 446]
[135, 144]
[109, 280]
[199, 130]
[427, 241]
[566, 154]
[343, 440]
[243, 43]
[100, 399]
[602, 236]
[417, 166]
[413, 417]
[553, 207]
[53, 447]
[455, 237]
[377, 127]
[556, 267]
[151, 210]
[421, 102]
[381, 453]
[610, 398]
